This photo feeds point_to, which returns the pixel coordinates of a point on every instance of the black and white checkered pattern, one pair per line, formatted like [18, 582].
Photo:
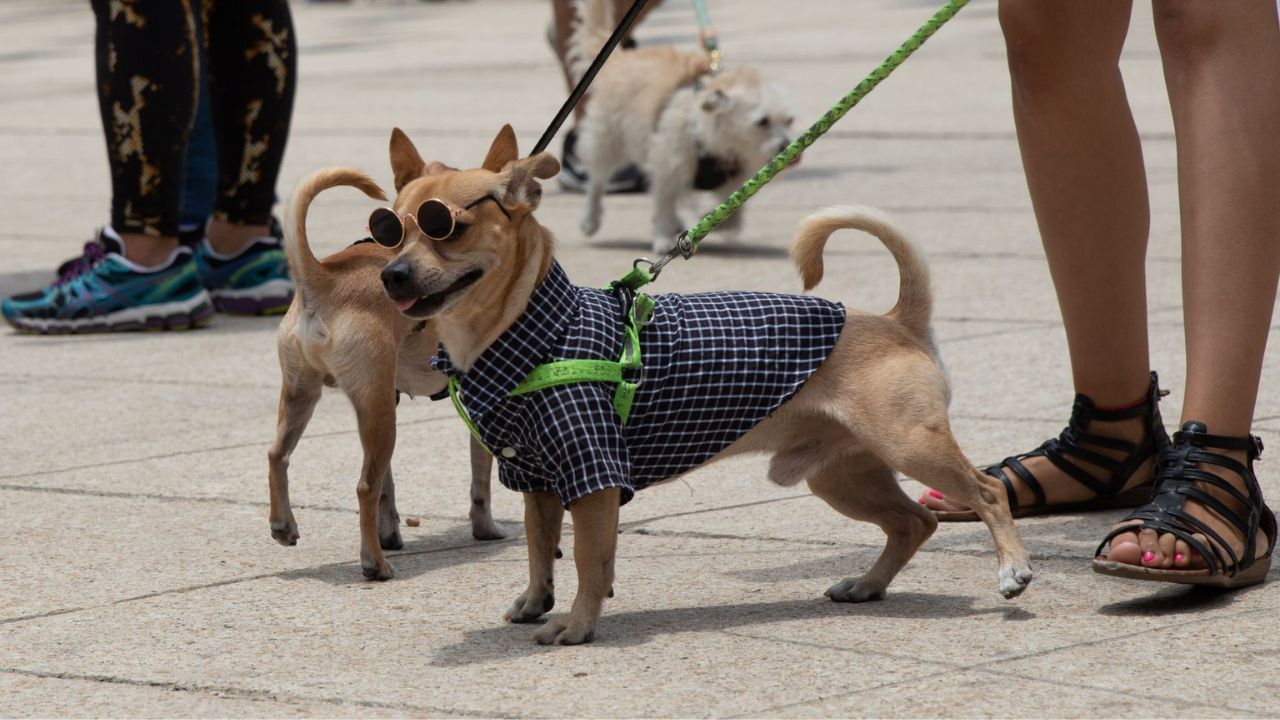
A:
[715, 365]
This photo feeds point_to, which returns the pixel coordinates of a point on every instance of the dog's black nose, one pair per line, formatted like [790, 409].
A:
[397, 279]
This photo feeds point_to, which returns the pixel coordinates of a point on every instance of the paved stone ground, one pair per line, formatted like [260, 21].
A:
[140, 578]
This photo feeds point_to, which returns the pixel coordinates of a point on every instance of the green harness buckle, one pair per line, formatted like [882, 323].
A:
[564, 372]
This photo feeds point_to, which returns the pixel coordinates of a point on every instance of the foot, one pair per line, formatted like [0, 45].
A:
[102, 291]
[1149, 548]
[1132, 437]
[285, 531]
[530, 606]
[253, 280]
[565, 631]
[375, 568]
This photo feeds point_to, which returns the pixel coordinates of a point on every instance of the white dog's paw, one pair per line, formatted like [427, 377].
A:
[1014, 580]
[590, 223]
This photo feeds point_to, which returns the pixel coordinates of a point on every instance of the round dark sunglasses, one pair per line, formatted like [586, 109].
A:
[435, 218]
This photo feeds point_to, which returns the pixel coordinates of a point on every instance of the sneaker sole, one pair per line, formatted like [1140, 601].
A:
[193, 312]
[269, 298]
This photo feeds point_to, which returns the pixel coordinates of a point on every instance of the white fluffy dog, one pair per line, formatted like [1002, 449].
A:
[690, 129]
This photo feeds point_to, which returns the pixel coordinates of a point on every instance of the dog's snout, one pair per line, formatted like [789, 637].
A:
[397, 279]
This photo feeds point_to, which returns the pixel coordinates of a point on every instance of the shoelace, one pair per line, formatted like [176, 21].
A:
[93, 254]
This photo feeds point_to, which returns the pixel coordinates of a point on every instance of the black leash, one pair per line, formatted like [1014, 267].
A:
[627, 21]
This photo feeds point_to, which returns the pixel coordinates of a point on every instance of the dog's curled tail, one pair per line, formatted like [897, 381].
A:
[915, 297]
[595, 25]
[302, 262]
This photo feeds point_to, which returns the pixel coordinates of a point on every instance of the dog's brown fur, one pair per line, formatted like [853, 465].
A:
[877, 406]
[342, 332]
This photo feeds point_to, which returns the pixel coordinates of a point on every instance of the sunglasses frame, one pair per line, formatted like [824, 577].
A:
[417, 219]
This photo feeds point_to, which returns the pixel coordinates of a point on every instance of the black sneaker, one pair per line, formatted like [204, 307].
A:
[573, 176]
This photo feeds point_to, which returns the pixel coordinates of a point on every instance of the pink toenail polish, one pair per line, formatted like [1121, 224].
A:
[1148, 557]
[935, 494]
[920, 500]
[1179, 557]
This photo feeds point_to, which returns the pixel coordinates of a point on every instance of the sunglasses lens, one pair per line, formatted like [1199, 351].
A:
[385, 227]
[436, 220]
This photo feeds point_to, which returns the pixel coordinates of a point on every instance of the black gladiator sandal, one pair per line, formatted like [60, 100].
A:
[1073, 444]
[1179, 472]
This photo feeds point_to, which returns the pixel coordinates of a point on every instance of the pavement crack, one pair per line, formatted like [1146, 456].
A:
[198, 451]
[231, 691]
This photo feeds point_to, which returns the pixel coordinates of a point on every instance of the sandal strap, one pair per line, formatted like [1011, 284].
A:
[1069, 449]
[1077, 473]
[1157, 522]
[1181, 477]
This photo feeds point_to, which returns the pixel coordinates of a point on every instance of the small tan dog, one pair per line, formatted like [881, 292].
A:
[341, 332]
[875, 404]
[665, 110]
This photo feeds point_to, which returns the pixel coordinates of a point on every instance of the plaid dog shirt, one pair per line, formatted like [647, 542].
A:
[715, 365]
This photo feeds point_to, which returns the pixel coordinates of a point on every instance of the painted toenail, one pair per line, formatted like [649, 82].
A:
[935, 494]
[1179, 557]
[921, 501]
[1148, 557]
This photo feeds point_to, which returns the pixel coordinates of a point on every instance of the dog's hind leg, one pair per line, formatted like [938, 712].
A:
[930, 454]
[595, 544]
[298, 398]
[388, 516]
[482, 525]
[598, 157]
[671, 166]
[865, 489]
[543, 517]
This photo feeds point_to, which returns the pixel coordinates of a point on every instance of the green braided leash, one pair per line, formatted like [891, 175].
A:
[687, 243]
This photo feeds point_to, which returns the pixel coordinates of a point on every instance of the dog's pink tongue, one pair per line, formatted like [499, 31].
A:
[405, 304]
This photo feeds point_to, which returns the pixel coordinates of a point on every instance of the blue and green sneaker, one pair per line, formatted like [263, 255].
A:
[254, 281]
[102, 291]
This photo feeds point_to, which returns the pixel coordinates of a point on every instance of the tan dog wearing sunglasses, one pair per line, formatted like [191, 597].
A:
[868, 397]
[342, 332]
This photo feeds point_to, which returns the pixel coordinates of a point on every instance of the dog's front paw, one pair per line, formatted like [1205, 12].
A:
[484, 528]
[1014, 580]
[590, 224]
[855, 591]
[376, 569]
[529, 607]
[562, 632]
[285, 531]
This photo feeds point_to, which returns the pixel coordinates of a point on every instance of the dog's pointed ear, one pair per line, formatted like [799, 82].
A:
[502, 151]
[714, 100]
[406, 164]
[518, 187]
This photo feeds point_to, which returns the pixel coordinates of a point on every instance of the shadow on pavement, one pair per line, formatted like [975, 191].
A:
[1175, 600]
[504, 641]
[419, 556]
